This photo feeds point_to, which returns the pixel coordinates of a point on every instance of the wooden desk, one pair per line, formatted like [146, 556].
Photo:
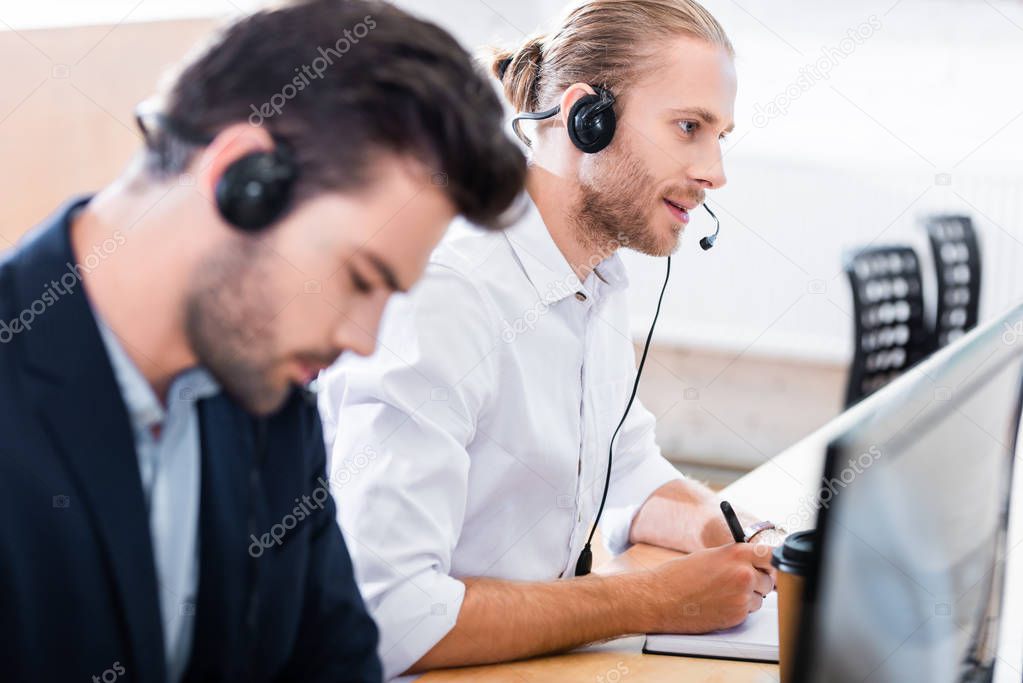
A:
[782, 489]
[626, 665]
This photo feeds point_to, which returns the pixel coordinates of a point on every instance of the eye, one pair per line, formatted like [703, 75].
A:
[688, 127]
[359, 282]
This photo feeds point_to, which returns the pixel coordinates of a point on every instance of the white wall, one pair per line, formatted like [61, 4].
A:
[932, 94]
[934, 91]
[927, 94]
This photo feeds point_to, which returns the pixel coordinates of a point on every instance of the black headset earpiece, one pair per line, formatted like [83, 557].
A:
[592, 121]
[255, 190]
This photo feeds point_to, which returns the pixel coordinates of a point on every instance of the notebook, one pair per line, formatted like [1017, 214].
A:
[756, 639]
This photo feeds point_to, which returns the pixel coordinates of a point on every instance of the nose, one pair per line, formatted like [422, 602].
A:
[360, 325]
[709, 168]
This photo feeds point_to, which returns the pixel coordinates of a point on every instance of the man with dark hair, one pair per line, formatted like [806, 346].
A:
[164, 506]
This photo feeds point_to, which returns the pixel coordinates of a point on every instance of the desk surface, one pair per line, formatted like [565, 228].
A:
[612, 666]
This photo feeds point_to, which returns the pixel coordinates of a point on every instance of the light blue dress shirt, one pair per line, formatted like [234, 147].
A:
[169, 468]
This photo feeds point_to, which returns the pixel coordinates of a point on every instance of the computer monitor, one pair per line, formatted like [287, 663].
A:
[909, 574]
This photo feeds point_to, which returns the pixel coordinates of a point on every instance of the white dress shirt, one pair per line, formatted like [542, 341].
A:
[474, 441]
[169, 467]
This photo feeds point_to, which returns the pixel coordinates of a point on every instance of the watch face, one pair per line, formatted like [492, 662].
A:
[765, 532]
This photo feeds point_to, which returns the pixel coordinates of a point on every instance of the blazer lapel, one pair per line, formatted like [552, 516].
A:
[220, 648]
[74, 391]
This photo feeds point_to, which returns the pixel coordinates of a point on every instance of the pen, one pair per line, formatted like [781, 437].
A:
[733, 522]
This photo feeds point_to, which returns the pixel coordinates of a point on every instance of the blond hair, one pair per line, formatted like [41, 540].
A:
[599, 42]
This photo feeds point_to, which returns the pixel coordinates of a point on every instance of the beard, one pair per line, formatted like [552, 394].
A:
[228, 313]
[615, 206]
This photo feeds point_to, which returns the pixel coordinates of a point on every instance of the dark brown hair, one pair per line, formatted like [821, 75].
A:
[342, 81]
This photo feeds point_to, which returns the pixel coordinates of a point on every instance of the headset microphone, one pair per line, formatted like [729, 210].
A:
[708, 241]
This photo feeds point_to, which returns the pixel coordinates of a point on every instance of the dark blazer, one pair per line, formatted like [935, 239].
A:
[78, 593]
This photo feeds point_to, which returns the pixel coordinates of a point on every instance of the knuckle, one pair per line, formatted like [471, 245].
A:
[745, 578]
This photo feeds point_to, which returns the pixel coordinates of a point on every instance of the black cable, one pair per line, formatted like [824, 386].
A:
[585, 562]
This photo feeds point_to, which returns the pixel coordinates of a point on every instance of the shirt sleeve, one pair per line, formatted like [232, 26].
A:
[398, 424]
[638, 469]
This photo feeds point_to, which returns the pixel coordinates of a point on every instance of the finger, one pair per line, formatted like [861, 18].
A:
[756, 601]
[764, 584]
[761, 556]
[773, 573]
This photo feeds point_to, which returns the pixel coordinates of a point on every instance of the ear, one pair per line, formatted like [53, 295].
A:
[573, 94]
[230, 144]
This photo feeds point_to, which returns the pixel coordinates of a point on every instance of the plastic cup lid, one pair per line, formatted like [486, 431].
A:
[795, 552]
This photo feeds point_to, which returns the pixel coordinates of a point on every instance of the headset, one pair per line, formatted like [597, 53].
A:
[591, 121]
[254, 191]
[591, 127]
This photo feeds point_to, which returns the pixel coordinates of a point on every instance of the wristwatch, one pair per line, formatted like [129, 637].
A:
[754, 529]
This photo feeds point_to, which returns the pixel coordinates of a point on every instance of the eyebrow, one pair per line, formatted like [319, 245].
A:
[705, 115]
[386, 272]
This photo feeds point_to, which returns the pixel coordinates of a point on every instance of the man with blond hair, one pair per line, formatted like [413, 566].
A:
[490, 407]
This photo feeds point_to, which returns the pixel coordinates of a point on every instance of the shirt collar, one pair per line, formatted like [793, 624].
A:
[144, 408]
[612, 272]
[548, 269]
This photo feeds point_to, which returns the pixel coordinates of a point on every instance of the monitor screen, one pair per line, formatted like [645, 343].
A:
[908, 580]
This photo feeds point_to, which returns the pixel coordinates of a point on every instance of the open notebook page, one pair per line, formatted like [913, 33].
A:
[755, 639]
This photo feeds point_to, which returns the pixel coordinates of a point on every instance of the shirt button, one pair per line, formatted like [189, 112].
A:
[580, 296]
